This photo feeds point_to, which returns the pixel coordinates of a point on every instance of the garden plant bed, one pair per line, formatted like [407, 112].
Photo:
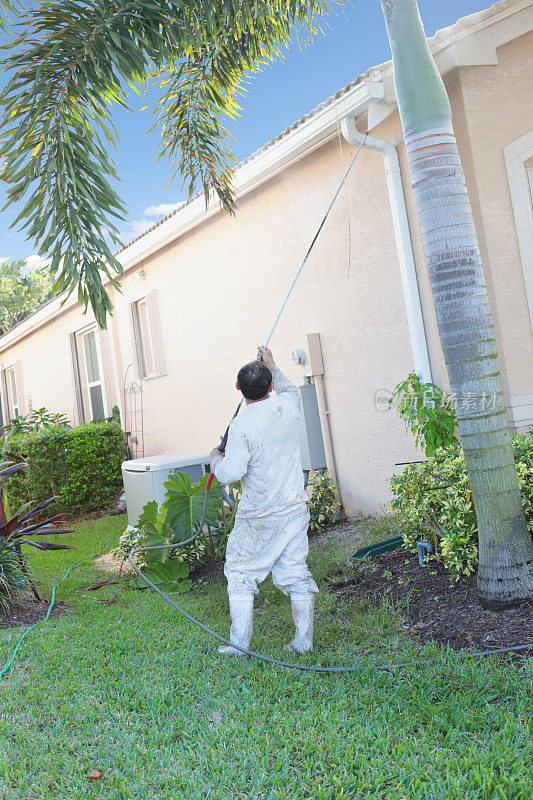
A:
[435, 608]
[28, 612]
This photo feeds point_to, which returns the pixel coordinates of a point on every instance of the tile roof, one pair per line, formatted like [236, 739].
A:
[440, 35]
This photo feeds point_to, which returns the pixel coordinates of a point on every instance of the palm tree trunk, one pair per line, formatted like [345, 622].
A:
[466, 330]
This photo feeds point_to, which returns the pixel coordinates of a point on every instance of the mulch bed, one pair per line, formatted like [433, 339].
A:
[27, 612]
[434, 608]
[211, 571]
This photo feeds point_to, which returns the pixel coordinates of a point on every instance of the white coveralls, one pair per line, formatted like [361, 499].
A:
[270, 531]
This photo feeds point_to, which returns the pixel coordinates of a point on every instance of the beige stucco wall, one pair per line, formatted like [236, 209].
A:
[45, 358]
[498, 108]
[219, 288]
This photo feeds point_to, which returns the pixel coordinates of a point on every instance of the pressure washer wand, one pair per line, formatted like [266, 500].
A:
[222, 448]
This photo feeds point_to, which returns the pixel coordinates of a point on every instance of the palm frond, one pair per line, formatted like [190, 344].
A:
[202, 88]
[72, 62]
[8, 11]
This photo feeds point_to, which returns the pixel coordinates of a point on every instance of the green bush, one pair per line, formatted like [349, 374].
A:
[324, 501]
[192, 554]
[427, 412]
[435, 501]
[80, 465]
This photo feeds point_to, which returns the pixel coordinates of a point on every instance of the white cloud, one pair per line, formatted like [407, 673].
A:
[35, 262]
[135, 228]
[162, 209]
[138, 226]
[150, 215]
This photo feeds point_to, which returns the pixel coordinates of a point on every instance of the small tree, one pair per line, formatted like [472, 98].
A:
[22, 290]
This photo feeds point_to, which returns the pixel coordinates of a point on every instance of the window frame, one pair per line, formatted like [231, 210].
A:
[516, 154]
[138, 339]
[11, 380]
[101, 382]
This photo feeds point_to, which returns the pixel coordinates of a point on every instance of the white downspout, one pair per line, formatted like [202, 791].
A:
[413, 308]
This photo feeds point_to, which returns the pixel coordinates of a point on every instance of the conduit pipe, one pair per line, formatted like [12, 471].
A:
[402, 235]
[316, 361]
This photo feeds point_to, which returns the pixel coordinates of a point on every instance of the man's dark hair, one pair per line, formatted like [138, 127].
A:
[254, 380]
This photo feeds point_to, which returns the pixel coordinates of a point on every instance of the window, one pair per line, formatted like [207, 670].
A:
[93, 373]
[519, 163]
[529, 175]
[12, 394]
[143, 338]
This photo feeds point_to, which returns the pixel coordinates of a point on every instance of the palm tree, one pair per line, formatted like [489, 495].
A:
[73, 60]
[462, 307]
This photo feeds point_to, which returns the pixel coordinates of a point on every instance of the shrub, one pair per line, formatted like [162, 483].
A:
[37, 420]
[133, 538]
[81, 466]
[21, 529]
[177, 520]
[324, 501]
[427, 413]
[436, 504]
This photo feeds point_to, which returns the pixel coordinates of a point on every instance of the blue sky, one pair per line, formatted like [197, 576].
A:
[277, 96]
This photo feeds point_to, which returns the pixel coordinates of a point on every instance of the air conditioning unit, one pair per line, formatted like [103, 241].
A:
[144, 478]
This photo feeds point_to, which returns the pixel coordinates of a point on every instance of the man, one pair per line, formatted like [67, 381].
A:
[270, 531]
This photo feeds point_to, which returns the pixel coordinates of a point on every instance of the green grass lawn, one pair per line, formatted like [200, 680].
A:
[130, 688]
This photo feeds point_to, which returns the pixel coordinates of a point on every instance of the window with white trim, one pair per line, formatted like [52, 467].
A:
[519, 164]
[529, 175]
[144, 342]
[94, 373]
[12, 392]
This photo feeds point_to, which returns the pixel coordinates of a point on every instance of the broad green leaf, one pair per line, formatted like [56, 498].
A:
[184, 504]
[170, 576]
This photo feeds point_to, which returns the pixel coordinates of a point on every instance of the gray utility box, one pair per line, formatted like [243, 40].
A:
[311, 441]
[144, 478]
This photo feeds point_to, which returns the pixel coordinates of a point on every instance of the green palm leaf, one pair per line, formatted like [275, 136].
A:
[72, 62]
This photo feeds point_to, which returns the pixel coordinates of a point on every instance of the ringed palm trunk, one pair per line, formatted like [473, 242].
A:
[462, 308]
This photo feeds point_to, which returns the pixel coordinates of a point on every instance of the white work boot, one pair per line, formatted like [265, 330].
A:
[241, 609]
[302, 607]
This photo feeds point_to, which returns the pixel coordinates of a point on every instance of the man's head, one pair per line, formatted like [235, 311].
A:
[254, 380]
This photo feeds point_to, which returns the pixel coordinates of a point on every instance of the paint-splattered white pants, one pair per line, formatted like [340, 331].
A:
[276, 543]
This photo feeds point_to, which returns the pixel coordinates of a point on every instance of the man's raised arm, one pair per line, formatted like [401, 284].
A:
[282, 385]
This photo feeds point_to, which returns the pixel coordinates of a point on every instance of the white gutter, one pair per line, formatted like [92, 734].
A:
[404, 246]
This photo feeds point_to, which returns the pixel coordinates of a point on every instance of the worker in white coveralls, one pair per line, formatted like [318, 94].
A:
[270, 531]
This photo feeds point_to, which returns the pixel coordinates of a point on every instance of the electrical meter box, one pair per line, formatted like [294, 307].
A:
[311, 441]
[144, 478]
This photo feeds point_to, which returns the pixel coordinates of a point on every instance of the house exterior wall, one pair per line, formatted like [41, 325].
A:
[220, 287]
[216, 291]
[46, 365]
[498, 104]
